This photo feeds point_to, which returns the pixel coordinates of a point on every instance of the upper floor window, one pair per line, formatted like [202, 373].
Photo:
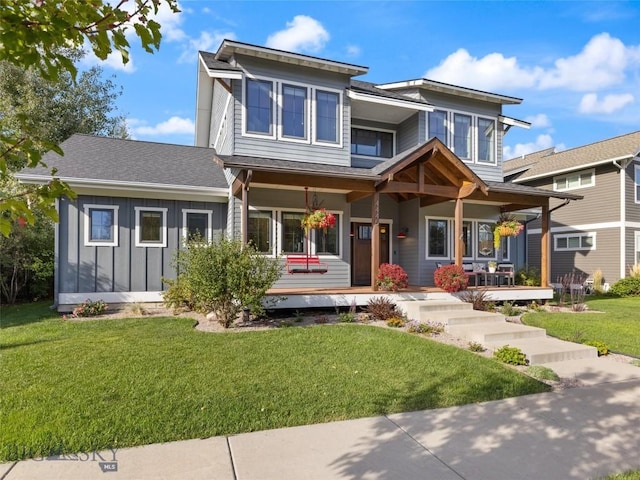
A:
[259, 106]
[327, 116]
[372, 143]
[294, 111]
[571, 181]
[101, 225]
[438, 125]
[462, 135]
[637, 175]
[575, 241]
[486, 140]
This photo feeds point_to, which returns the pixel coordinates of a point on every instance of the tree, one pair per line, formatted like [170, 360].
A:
[39, 34]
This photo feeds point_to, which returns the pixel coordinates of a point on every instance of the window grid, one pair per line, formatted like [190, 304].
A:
[575, 241]
[259, 107]
[583, 179]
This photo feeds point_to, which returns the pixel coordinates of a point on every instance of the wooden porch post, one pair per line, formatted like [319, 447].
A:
[458, 246]
[375, 239]
[544, 246]
[244, 227]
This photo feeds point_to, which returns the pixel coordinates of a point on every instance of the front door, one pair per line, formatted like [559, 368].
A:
[361, 251]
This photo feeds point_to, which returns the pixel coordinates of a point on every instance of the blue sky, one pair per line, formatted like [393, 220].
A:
[576, 65]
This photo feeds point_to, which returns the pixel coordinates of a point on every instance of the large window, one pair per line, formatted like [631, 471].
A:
[259, 231]
[485, 240]
[259, 106]
[196, 224]
[467, 238]
[438, 125]
[462, 135]
[437, 238]
[101, 225]
[372, 143]
[575, 241]
[637, 168]
[327, 116]
[151, 227]
[486, 140]
[571, 181]
[328, 241]
[294, 111]
[293, 238]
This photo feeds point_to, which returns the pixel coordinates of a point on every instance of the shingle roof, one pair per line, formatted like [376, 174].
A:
[372, 89]
[624, 146]
[525, 160]
[105, 160]
[213, 64]
[508, 187]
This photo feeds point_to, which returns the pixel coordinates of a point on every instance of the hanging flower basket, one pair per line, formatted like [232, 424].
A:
[319, 218]
[507, 226]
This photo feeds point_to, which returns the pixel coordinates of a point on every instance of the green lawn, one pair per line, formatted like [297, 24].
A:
[80, 386]
[618, 324]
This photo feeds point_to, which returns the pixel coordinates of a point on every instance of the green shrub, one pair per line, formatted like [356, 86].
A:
[528, 276]
[381, 308]
[428, 328]
[90, 308]
[395, 322]
[635, 362]
[476, 347]
[603, 348]
[626, 287]
[224, 277]
[346, 317]
[509, 310]
[511, 355]
[542, 373]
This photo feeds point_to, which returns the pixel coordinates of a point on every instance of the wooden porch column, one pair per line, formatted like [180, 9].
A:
[375, 239]
[544, 246]
[458, 245]
[244, 227]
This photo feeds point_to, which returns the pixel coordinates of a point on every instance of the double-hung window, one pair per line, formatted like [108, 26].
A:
[294, 111]
[327, 116]
[462, 136]
[259, 107]
[437, 238]
[101, 225]
[637, 183]
[151, 227]
[438, 126]
[371, 143]
[486, 141]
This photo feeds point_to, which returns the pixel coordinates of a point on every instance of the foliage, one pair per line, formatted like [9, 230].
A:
[318, 218]
[630, 475]
[528, 276]
[381, 308]
[506, 226]
[572, 284]
[27, 261]
[508, 309]
[626, 287]
[395, 322]
[635, 362]
[476, 347]
[542, 373]
[597, 280]
[511, 355]
[228, 383]
[426, 328]
[535, 306]
[40, 34]
[346, 317]
[223, 277]
[603, 348]
[392, 277]
[634, 271]
[90, 308]
[479, 299]
[450, 278]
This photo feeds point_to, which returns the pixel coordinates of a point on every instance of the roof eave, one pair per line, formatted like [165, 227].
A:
[372, 98]
[573, 168]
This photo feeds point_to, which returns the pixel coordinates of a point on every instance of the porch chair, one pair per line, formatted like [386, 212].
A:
[506, 271]
[470, 273]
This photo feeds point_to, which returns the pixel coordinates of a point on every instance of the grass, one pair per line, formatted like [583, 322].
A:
[73, 386]
[631, 475]
[617, 324]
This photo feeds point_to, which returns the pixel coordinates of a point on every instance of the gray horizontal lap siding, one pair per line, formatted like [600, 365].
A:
[289, 150]
[409, 256]
[125, 267]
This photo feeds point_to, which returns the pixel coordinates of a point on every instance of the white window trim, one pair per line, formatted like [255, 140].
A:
[472, 158]
[275, 231]
[277, 213]
[307, 119]
[636, 250]
[636, 182]
[274, 108]
[186, 212]
[340, 124]
[572, 235]
[474, 240]
[87, 226]
[161, 244]
[448, 240]
[591, 171]
[363, 127]
[495, 140]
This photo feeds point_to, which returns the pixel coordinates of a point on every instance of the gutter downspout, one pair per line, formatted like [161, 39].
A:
[623, 215]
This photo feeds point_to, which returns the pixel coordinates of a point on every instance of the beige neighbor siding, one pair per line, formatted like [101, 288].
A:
[633, 208]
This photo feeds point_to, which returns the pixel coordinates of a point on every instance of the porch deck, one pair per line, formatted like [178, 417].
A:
[298, 298]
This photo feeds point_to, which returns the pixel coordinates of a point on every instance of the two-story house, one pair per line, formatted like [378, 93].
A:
[603, 230]
[412, 171]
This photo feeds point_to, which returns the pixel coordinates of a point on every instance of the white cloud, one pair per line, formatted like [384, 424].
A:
[538, 121]
[303, 33]
[113, 61]
[542, 142]
[170, 23]
[609, 104]
[175, 125]
[353, 51]
[206, 41]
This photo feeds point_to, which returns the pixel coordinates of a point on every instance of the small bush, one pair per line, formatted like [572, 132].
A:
[476, 347]
[635, 362]
[392, 277]
[508, 309]
[626, 287]
[511, 355]
[527, 276]
[603, 348]
[137, 308]
[634, 271]
[381, 308]
[428, 328]
[542, 373]
[479, 299]
[395, 322]
[346, 317]
[450, 278]
[90, 309]
[535, 306]
[597, 280]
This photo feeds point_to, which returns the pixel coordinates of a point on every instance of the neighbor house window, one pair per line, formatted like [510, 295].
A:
[485, 240]
[259, 232]
[637, 249]
[371, 143]
[327, 116]
[486, 141]
[101, 225]
[462, 135]
[438, 125]
[151, 227]
[328, 241]
[585, 178]
[575, 241]
[196, 224]
[293, 237]
[259, 106]
[437, 238]
[637, 183]
[294, 111]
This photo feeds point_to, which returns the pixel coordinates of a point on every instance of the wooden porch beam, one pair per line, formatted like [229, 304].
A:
[467, 190]
[409, 187]
[544, 246]
[508, 198]
[313, 181]
[236, 187]
[458, 249]
[244, 228]
[375, 239]
[355, 196]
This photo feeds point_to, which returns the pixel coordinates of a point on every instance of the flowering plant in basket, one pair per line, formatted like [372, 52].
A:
[318, 218]
[450, 278]
[392, 277]
[507, 226]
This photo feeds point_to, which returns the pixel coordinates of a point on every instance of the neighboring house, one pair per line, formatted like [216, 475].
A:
[412, 171]
[603, 230]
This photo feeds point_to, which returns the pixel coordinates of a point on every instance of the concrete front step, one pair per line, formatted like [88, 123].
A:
[415, 309]
[464, 317]
[547, 349]
[496, 332]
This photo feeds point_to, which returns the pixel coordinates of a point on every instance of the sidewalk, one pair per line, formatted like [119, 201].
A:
[580, 433]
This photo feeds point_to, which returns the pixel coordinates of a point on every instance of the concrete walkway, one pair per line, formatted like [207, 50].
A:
[581, 433]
